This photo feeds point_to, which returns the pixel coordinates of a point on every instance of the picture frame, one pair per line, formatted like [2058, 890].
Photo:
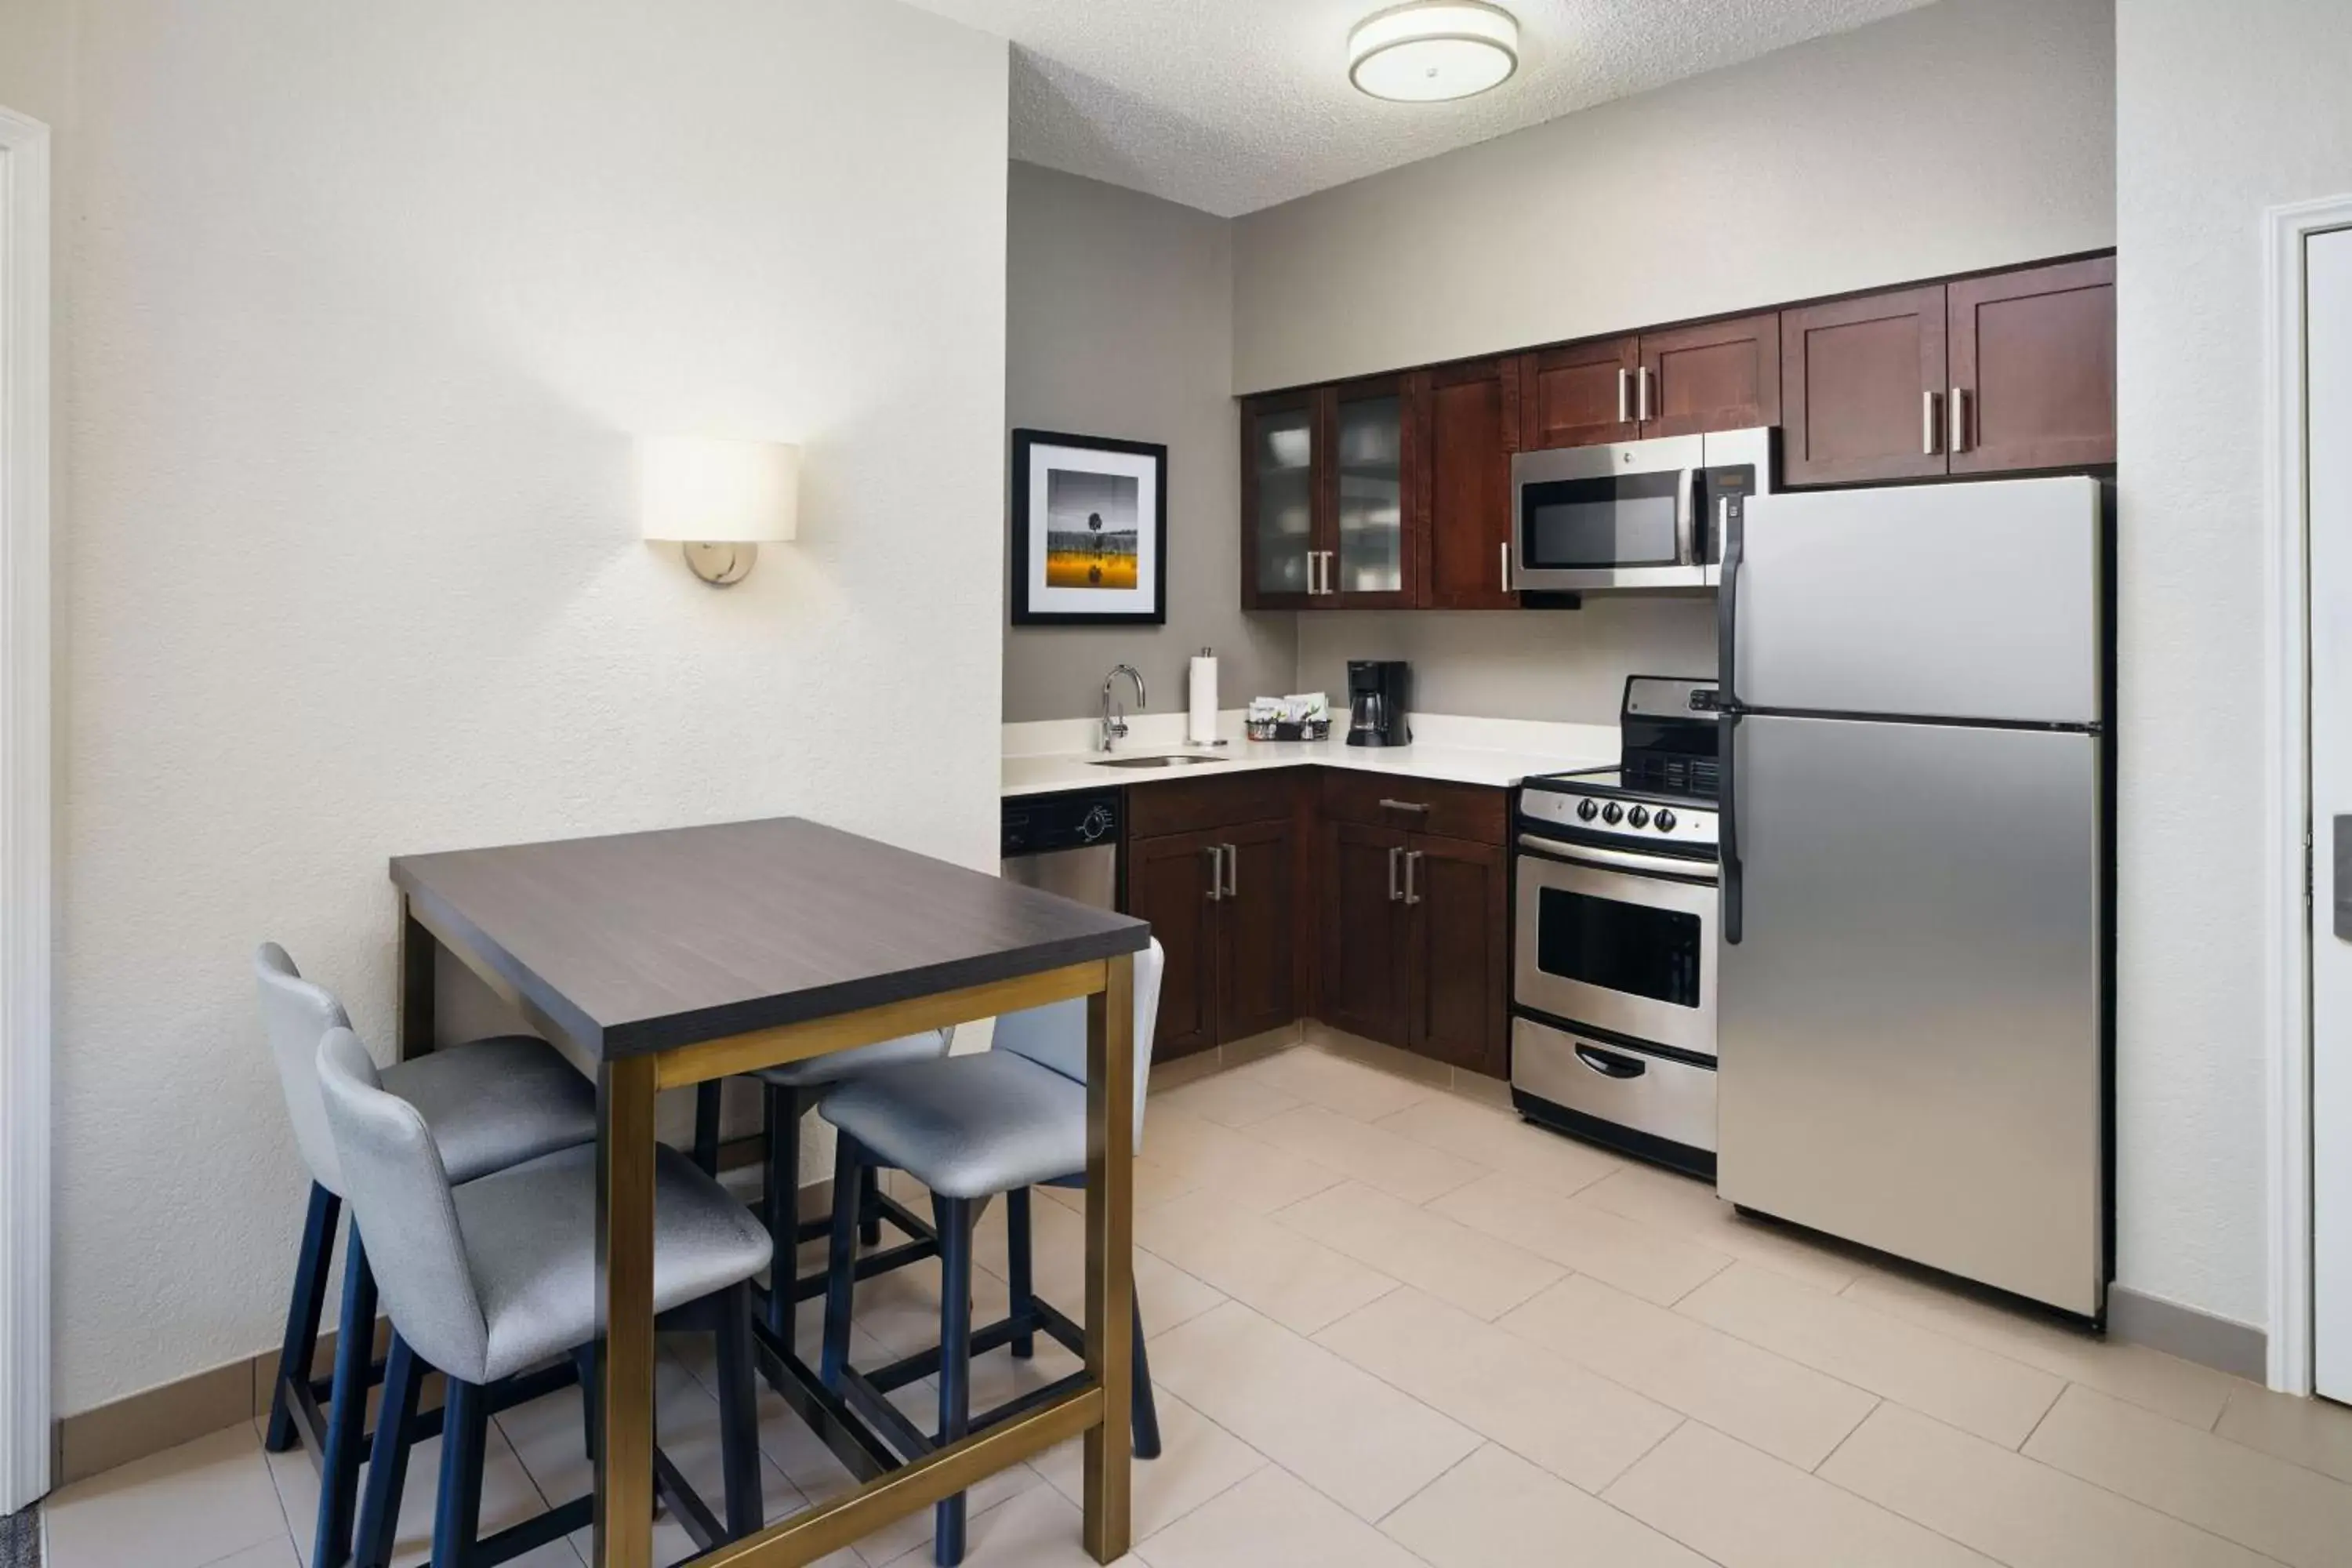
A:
[1089, 530]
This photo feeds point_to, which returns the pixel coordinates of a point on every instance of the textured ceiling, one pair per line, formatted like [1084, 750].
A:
[1232, 105]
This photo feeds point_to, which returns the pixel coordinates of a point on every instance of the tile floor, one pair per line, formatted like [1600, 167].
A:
[1395, 1328]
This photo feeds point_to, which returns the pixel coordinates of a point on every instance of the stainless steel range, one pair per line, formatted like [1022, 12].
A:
[1612, 988]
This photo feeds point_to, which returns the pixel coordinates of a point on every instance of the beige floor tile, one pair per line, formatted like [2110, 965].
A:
[2011, 1507]
[2180, 1389]
[1500, 1141]
[1494, 1093]
[1227, 1099]
[1389, 1059]
[1572, 1422]
[2295, 1515]
[1337, 1083]
[1243, 1170]
[1343, 1431]
[183, 1508]
[1767, 1401]
[1198, 1460]
[1039, 1529]
[277, 1554]
[1155, 1184]
[1688, 1206]
[1747, 1510]
[1058, 1244]
[1475, 1271]
[1272, 1521]
[1994, 1397]
[1372, 1155]
[2313, 1433]
[1653, 1264]
[1300, 1284]
[1494, 1510]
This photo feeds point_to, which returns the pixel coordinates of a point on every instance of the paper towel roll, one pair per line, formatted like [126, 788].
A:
[1200, 719]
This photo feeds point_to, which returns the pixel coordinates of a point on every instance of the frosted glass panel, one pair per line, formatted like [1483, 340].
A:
[1371, 495]
[1281, 449]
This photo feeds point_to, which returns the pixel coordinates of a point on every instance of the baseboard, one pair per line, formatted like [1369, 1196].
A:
[2222, 1344]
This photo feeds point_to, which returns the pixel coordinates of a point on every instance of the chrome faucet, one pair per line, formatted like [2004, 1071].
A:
[1114, 721]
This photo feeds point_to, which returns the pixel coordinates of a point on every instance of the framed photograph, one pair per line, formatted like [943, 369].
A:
[1089, 530]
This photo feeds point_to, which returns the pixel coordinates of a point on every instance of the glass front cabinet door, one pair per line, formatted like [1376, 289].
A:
[1327, 495]
[1282, 564]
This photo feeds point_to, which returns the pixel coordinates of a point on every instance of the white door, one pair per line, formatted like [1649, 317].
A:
[2328, 442]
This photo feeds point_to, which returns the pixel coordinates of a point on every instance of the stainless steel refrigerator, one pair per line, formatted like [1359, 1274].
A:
[1912, 993]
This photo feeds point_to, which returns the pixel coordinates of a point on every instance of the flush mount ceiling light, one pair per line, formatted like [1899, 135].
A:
[1433, 51]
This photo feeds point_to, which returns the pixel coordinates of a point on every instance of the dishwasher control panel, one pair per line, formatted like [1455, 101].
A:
[1039, 824]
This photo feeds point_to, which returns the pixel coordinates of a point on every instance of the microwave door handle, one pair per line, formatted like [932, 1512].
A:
[1687, 519]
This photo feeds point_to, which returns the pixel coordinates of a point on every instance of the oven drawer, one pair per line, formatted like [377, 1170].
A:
[1655, 1095]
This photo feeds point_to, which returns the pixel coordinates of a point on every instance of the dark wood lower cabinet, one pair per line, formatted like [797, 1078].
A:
[1455, 964]
[1362, 877]
[1257, 918]
[1170, 881]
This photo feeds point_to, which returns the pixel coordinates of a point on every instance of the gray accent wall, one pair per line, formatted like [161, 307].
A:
[1118, 322]
[1966, 135]
[1567, 665]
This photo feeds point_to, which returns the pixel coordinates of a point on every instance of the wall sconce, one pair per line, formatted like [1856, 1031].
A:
[719, 501]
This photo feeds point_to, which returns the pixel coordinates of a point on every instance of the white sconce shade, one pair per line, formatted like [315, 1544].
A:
[721, 499]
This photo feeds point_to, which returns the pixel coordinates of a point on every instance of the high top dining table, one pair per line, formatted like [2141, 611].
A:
[658, 959]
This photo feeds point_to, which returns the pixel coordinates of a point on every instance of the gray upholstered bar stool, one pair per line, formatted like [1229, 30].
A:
[488, 1104]
[788, 1094]
[969, 1127]
[488, 1278]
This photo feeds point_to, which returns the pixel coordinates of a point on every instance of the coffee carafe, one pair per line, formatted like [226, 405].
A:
[1376, 698]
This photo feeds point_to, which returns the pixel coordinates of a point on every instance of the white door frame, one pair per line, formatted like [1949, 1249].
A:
[25, 975]
[2287, 1014]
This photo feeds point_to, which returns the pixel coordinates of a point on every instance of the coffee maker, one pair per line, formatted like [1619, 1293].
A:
[1376, 689]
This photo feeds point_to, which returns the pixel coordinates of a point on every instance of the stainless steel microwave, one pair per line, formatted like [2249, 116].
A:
[1639, 515]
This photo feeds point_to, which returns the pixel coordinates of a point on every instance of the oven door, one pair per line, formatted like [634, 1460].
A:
[1623, 516]
[1617, 941]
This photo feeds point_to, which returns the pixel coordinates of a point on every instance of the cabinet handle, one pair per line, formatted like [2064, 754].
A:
[1233, 859]
[1412, 861]
[1395, 854]
[1644, 386]
[1959, 442]
[1215, 852]
[1506, 550]
[1931, 422]
[1311, 573]
[1404, 805]
[1624, 396]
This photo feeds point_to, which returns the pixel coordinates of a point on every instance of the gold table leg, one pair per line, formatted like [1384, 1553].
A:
[1110, 1235]
[624, 1313]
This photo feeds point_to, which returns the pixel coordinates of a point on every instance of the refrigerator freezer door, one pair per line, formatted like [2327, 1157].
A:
[1973, 601]
[1909, 1029]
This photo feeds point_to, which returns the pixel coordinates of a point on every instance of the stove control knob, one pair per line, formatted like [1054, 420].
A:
[1666, 820]
[1639, 816]
[1587, 809]
[1610, 813]
[1095, 823]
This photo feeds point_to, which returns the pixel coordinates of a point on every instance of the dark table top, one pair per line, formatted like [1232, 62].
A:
[640, 941]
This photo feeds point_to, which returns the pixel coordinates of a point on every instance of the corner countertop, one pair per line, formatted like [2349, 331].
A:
[1043, 758]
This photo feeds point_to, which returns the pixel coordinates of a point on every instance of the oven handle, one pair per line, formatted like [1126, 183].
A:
[1602, 859]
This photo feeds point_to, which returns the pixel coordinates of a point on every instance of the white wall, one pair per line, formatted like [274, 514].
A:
[2221, 111]
[1118, 321]
[1965, 135]
[370, 303]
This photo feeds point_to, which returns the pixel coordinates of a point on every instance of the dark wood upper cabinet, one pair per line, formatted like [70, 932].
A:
[1456, 928]
[1169, 883]
[1468, 419]
[2033, 368]
[1372, 554]
[1716, 375]
[1862, 389]
[1580, 395]
[1282, 463]
[1363, 985]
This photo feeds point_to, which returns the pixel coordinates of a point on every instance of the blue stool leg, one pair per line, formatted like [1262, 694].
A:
[1018, 1259]
[870, 1207]
[388, 1461]
[841, 1262]
[1143, 1409]
[781, 1206]
[953, 1218]
[739, 1415]
[310, 1299]
[339, 1477]
[458, 1513]
[584, 1362]
[706, 1124]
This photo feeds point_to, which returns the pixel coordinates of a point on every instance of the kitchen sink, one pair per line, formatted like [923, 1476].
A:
[1180, 759]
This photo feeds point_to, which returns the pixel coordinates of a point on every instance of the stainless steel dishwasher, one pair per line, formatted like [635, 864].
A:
[1065, 843]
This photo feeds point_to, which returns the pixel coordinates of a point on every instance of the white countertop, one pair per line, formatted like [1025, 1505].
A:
[1040, 758]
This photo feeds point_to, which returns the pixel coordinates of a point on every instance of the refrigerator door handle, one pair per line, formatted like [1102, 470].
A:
[1728, 825]
[1726, 610]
